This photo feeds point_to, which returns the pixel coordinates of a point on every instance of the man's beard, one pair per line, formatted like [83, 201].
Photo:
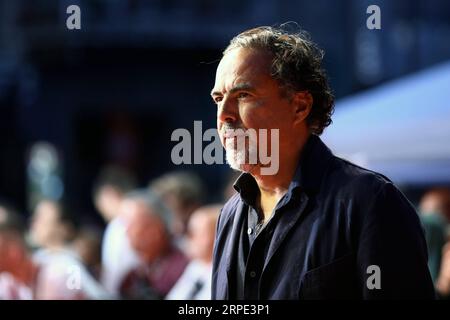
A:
[241, 157]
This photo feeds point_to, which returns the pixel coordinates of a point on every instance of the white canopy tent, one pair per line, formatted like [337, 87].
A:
[400, 129]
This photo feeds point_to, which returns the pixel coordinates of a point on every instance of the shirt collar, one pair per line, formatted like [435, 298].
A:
[247, 187]
[308, 174]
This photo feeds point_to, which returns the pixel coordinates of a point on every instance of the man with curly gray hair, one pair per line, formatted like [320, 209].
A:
[319, 227]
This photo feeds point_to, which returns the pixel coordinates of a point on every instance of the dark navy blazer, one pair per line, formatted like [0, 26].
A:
[334, 223]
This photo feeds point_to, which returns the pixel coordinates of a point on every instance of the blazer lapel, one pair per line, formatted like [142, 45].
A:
[231, 247]
[284, 225]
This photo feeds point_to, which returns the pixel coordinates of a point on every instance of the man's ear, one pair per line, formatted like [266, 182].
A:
[302, 102]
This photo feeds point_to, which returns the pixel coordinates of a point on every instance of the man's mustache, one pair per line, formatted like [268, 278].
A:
[229, 131]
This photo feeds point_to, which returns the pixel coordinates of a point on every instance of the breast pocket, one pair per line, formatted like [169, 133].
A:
[335, 280]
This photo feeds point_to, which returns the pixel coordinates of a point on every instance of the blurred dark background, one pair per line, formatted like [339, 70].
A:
[114, 91]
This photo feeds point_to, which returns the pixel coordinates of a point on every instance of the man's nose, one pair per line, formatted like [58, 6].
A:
[228, 111]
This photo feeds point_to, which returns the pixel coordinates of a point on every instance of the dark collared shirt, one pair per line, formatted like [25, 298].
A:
[336, 224]
[254, 239]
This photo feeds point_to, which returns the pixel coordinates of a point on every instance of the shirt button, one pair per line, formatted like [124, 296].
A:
[249, 231]
[252, 274]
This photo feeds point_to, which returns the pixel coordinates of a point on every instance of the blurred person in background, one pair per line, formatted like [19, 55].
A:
[62, 274]
[443, 279]
[148, 231]
[183, 192]
[437, 201]
[435, 212]
[195, 282]
[17, 270]
[117, 256]
[87, 244]
[52, 227]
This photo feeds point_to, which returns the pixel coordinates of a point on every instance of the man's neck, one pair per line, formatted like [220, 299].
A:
[273, 187]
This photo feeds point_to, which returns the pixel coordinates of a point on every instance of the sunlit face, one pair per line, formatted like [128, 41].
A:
[247, 97]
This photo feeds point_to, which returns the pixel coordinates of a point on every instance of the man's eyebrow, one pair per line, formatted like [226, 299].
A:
[238, 87]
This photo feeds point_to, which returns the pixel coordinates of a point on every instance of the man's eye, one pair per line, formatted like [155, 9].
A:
[217, 99]
[242, 95]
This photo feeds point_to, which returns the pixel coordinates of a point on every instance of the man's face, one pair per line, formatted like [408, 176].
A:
[247, 97]
[437, 203]
[201, 232]
[107, 201]
[144, 230]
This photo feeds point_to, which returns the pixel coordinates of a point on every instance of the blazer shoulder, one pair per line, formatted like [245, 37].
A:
[370, 194]
[354, 178]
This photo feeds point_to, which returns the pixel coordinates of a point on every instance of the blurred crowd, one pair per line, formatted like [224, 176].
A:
[434, 211]
[157, 244]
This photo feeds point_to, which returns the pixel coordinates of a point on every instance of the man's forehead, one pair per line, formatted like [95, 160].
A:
[242, 62]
